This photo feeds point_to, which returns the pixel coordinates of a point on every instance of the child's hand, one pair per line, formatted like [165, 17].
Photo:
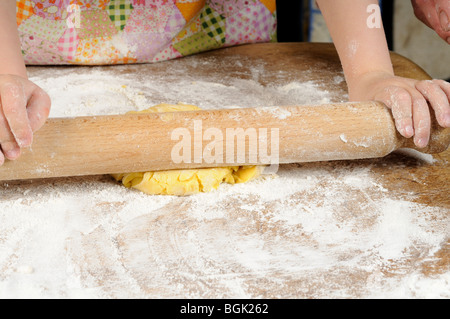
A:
[408, 99]
[24, 108]
[369, 73]
[435, 14]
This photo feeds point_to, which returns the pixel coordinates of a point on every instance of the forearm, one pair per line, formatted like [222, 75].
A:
[362, 50]
[11, 60]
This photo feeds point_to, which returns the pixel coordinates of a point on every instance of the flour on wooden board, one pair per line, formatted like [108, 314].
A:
[75, 94]
[323, 224]
[145, 242]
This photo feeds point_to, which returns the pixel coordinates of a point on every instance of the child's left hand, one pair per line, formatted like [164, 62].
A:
[409, 101]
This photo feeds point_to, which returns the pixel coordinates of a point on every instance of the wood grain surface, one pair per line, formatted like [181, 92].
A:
[336, 229]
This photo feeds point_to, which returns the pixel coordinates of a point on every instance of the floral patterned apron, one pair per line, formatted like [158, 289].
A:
[96, 32]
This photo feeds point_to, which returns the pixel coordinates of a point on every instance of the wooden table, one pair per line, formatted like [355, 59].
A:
[335, 236]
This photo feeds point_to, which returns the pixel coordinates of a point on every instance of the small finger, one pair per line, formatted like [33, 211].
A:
[400, 102]
[38, 108]
[8, 144]
[14, 104]
[444, 20]
[422, 121]
[438, 99]
[441, 25]
[445, 86]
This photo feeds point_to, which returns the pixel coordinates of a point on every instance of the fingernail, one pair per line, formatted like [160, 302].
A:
[443, 18]
[23, 143]
[12, 153]
[422, 143]
[447, 120]
[409, 130]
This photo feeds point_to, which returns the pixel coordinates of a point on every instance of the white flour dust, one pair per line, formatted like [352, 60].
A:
[328, 230]
[76, 94]
[58, 238]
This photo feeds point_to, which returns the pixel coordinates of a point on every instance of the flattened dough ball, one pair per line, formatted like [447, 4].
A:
[189, 181]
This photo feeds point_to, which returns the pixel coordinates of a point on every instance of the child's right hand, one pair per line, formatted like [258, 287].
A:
[24, 108]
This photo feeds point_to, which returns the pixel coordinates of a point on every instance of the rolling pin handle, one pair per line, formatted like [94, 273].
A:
[439, 139]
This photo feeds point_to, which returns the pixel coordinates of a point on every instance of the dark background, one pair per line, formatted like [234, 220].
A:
[293, 16]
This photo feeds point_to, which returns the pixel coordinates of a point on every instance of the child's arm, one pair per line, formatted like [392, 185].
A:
[11, 61]
[24, 106]
[369, 74]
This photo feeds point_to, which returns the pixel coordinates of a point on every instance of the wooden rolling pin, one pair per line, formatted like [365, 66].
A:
[146, 142]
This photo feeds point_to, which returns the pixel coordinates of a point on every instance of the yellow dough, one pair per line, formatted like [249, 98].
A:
[185, 182]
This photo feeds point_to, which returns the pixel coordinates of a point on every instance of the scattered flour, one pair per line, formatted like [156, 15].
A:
[73, 94]
[328, 230]
[70, 232]
[427, 158]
